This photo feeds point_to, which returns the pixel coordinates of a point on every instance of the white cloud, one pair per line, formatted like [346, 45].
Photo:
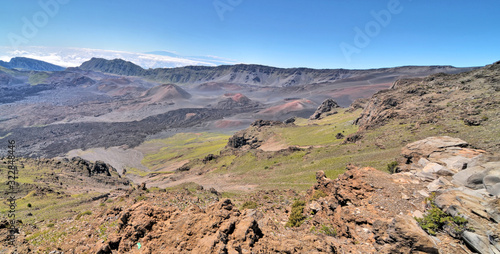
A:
[72, 57]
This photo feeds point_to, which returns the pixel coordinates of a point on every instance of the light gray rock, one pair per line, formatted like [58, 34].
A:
[432, 168]
[456, 163]
[418, 214]
[426, 177]
[475, 181]
[494, 172]
[495, 242]
[445, 172]
[492, 184]
[461, 177]
[423, 162]
[477, 243]
[493, 210]
[438, 184]
[423, 148]
[424, 193]
[492, 165]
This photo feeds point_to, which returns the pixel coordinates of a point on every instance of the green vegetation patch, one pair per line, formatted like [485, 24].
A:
[392, 167]
[83, 214]
[328, 230]
[435, 219]
[181, 147]
[249, 205]
[296, 216]
[36, 78]
[318, 194]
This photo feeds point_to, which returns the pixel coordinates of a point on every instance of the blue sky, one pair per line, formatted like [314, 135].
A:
[282, 33]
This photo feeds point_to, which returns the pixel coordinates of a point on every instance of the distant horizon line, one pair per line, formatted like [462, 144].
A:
[246, 64]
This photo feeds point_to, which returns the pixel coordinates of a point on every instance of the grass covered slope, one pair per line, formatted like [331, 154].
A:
[316, 142]
[50, 189]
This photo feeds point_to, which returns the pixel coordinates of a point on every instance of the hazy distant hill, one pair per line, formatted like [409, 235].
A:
[24, 63]
[116, 66]
[252, 74]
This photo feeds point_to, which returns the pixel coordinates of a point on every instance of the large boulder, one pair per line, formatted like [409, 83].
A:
[409, 237]
[325, 109]
[100, 167]
[425, 147]
[92, 169]
[442, 156]
[492, 184]
[254, 136]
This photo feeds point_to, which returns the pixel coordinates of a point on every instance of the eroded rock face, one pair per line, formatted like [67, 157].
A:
[442, 99]
[424, 148]
[100, 167]
[364, 205]
[253, 136]
[261, 123]
[466, 182]
[444, 154]
[220, 228]
[97, 168]
[325, 109]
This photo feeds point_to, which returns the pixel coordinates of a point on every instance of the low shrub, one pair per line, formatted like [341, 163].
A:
[435, 219]
[249, 205]
[82, 214]
[328, 230]
[392, 167]
[318, 194]
[296, 217]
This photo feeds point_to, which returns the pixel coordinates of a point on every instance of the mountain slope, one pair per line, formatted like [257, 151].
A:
[465, 104]
[30, 64]
[258, 75]
[116, 66]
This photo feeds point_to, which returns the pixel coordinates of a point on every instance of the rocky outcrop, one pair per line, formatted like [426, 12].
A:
[328, 107]
[439, 101]
[290, 120]
[262, 123]
[369, 206]
[466, 183]
[220, 228]
[252, 137]
[97, 168]
[436, 157]
[358, 104]
[363, 207]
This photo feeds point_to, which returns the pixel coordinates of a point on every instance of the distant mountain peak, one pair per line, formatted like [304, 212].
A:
[115, 66]
[29, 64]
